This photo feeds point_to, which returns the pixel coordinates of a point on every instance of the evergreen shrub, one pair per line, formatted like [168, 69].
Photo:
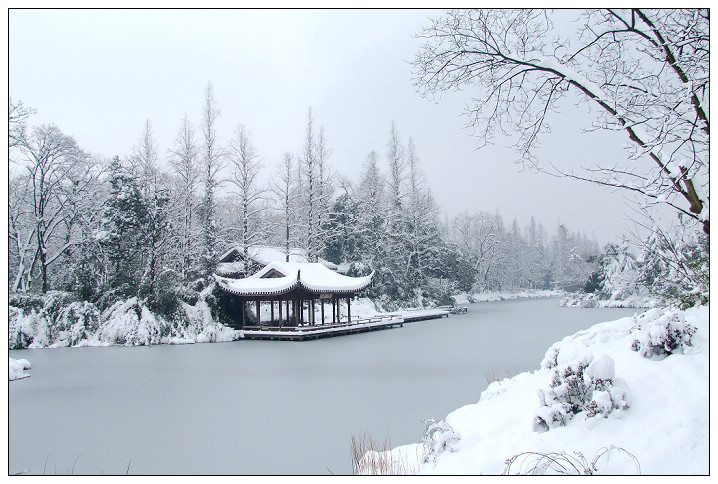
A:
[585, 385]
[659, 335]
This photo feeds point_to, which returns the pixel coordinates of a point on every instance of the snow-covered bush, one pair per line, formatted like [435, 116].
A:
[438, 437]
[76, 322]
[661, 333]
[16, 369]
[619, 272]
[676, 266]
[614, 283]
[26, 301]
[28, 328]
[20, 329]
[57, 319]
[584, 385]
[131, 323]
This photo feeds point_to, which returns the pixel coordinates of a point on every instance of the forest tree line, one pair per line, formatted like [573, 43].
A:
[153, 223]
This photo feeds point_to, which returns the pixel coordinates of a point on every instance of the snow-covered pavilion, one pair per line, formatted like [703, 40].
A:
[294, 289]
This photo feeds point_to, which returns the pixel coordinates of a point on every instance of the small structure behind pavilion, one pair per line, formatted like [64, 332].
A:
[232, 263]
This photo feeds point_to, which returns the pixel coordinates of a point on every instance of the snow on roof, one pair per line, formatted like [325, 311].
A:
[281, 277]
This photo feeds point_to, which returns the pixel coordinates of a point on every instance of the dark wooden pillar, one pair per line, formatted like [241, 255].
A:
[271, 319]
[243, 305]
[349, 309]
[258, 318]
[280, 313]
[322, 300]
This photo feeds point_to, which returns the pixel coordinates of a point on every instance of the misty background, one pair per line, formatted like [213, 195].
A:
[99, 74]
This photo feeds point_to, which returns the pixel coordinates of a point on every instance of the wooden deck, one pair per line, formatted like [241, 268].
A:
[306, 332]
[423, 314]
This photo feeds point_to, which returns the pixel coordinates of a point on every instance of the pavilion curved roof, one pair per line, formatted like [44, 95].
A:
[278, 278]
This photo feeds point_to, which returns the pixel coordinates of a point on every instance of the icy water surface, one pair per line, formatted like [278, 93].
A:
[268, 407]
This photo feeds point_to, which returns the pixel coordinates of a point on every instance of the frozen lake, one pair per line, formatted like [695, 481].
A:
[268, 407]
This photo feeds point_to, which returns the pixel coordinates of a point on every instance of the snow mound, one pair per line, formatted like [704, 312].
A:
[16, 369]
[626, 416]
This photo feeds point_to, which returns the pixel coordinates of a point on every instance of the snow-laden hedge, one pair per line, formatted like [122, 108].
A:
[618, 300]
[57, 320]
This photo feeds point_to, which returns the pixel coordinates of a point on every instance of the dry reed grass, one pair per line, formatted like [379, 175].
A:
[496, 375]
[370, 458]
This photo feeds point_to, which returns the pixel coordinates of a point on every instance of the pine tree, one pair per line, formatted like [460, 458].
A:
[124, 222]
[155, 198]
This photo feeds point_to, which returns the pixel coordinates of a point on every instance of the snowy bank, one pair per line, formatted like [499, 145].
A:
[16, 369]
[594, 300]
[604, 401]
[54, 321]
[506, 296]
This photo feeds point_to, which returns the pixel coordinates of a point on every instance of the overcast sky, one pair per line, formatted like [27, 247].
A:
[98, 75]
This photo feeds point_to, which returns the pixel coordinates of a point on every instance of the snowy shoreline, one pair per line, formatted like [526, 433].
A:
[628, 369]
[132, 323]
[506, 296]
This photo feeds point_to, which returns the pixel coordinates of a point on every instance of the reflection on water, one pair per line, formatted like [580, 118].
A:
[268, 407]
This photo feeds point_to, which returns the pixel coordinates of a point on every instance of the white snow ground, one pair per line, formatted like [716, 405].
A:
[16, 369]
[653, 419]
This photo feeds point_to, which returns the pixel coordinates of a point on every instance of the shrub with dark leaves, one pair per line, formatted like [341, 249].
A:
[586, 385]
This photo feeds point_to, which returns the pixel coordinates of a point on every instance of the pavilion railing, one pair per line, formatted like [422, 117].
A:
[312, 327]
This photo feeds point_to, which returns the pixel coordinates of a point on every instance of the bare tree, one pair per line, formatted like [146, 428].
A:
[245, 166]
[184, 158]
[21, 235]
[397, 167]
[212, 161]
[17, 115]
[324, 188]
[372, 214]
[645, 71]
[54, 165]
[477, 237]
[422, 219]
[308, 165]
[285, 188]
[145, 155]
